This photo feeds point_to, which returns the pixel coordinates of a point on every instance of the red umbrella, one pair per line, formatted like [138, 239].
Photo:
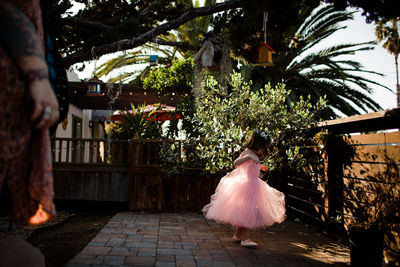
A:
[160, 113]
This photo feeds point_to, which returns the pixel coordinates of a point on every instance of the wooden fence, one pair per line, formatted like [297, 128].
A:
[353, 178]
[152, 189]
[90, 169]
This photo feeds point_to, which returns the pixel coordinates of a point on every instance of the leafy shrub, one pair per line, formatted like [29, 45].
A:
[226, 116]
[135, 123]
[172, 79]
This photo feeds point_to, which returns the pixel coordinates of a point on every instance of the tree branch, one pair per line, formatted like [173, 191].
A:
[79, 21]
[182, 45]
[85, 54]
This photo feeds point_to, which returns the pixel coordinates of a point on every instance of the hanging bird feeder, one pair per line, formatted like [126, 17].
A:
[209, 55]
[153, 59]
[95, 85]
[264, 50]
[265, 55]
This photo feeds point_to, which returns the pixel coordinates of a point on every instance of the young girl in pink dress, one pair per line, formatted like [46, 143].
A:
[242, 199]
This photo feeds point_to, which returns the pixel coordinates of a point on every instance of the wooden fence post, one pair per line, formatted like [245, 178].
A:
[132, 178]
[333, 198]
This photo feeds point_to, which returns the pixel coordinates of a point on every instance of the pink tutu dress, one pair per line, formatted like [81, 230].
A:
[243, 199]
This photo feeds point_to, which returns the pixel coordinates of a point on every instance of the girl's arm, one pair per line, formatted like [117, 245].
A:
[243, 159]
[19, 36]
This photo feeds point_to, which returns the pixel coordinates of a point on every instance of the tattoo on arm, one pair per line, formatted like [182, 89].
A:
[17, 32]
[37, 74]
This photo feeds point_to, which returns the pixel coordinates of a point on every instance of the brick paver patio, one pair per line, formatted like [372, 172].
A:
[143, 239]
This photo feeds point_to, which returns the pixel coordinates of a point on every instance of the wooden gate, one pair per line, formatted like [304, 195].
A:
[101, 173]
[152, 189]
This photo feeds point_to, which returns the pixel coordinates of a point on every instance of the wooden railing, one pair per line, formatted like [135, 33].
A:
[353, 177]
[92, 151]
[90, 169]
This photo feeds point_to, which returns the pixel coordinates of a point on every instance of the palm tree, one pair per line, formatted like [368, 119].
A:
[133, 58]
[389, 34]
[307, 70]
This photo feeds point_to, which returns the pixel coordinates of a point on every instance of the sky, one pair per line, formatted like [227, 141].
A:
[378, 60]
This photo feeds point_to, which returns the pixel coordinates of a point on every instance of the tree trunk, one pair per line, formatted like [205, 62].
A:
[397, 79]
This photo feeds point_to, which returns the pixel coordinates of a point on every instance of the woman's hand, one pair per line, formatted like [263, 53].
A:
[264, 168]
[45, 105]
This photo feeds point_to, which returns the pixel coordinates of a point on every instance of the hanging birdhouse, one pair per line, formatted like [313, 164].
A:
[94, 85]
[153, 59]
[265, 55]
[208, 56]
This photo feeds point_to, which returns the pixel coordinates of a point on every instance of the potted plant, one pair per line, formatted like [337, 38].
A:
[372, 223]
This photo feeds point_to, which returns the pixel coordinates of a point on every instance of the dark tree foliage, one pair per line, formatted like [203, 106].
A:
[103, 22]
[107, 26]
[245, 26]
[373, 10]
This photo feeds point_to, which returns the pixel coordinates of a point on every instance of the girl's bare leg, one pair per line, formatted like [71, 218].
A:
[238, 234]
[246, 242]
[245, 234]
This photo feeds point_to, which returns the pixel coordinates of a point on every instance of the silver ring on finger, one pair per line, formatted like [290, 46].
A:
[46, 113]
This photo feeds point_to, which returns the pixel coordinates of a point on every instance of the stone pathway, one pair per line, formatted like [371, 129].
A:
[163, 239]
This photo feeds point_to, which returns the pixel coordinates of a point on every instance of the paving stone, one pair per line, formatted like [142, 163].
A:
[169, 238]
[169, 246]
[221, 257]
[218, 252]
[134, 238]
[115, 243]
[140, 244]
[114, 260]
[184, 257]
[150, 238]
[147, 252]
[114, 249]
[85, 256]
[185, 263]
[111, 230]
[148, 232]
[165, 264]
[213, 245]
[164, 257]
[172, 251]
[96, 250]
[201, 252]
[202, 258]
[140, 260]
[100, 239]
[187, 238]
[123, 253]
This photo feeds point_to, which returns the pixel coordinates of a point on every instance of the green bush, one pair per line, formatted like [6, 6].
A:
[172, 79]
[135, 123]
[226, 116]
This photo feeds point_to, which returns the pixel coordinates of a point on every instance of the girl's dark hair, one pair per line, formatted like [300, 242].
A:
[257, 142]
